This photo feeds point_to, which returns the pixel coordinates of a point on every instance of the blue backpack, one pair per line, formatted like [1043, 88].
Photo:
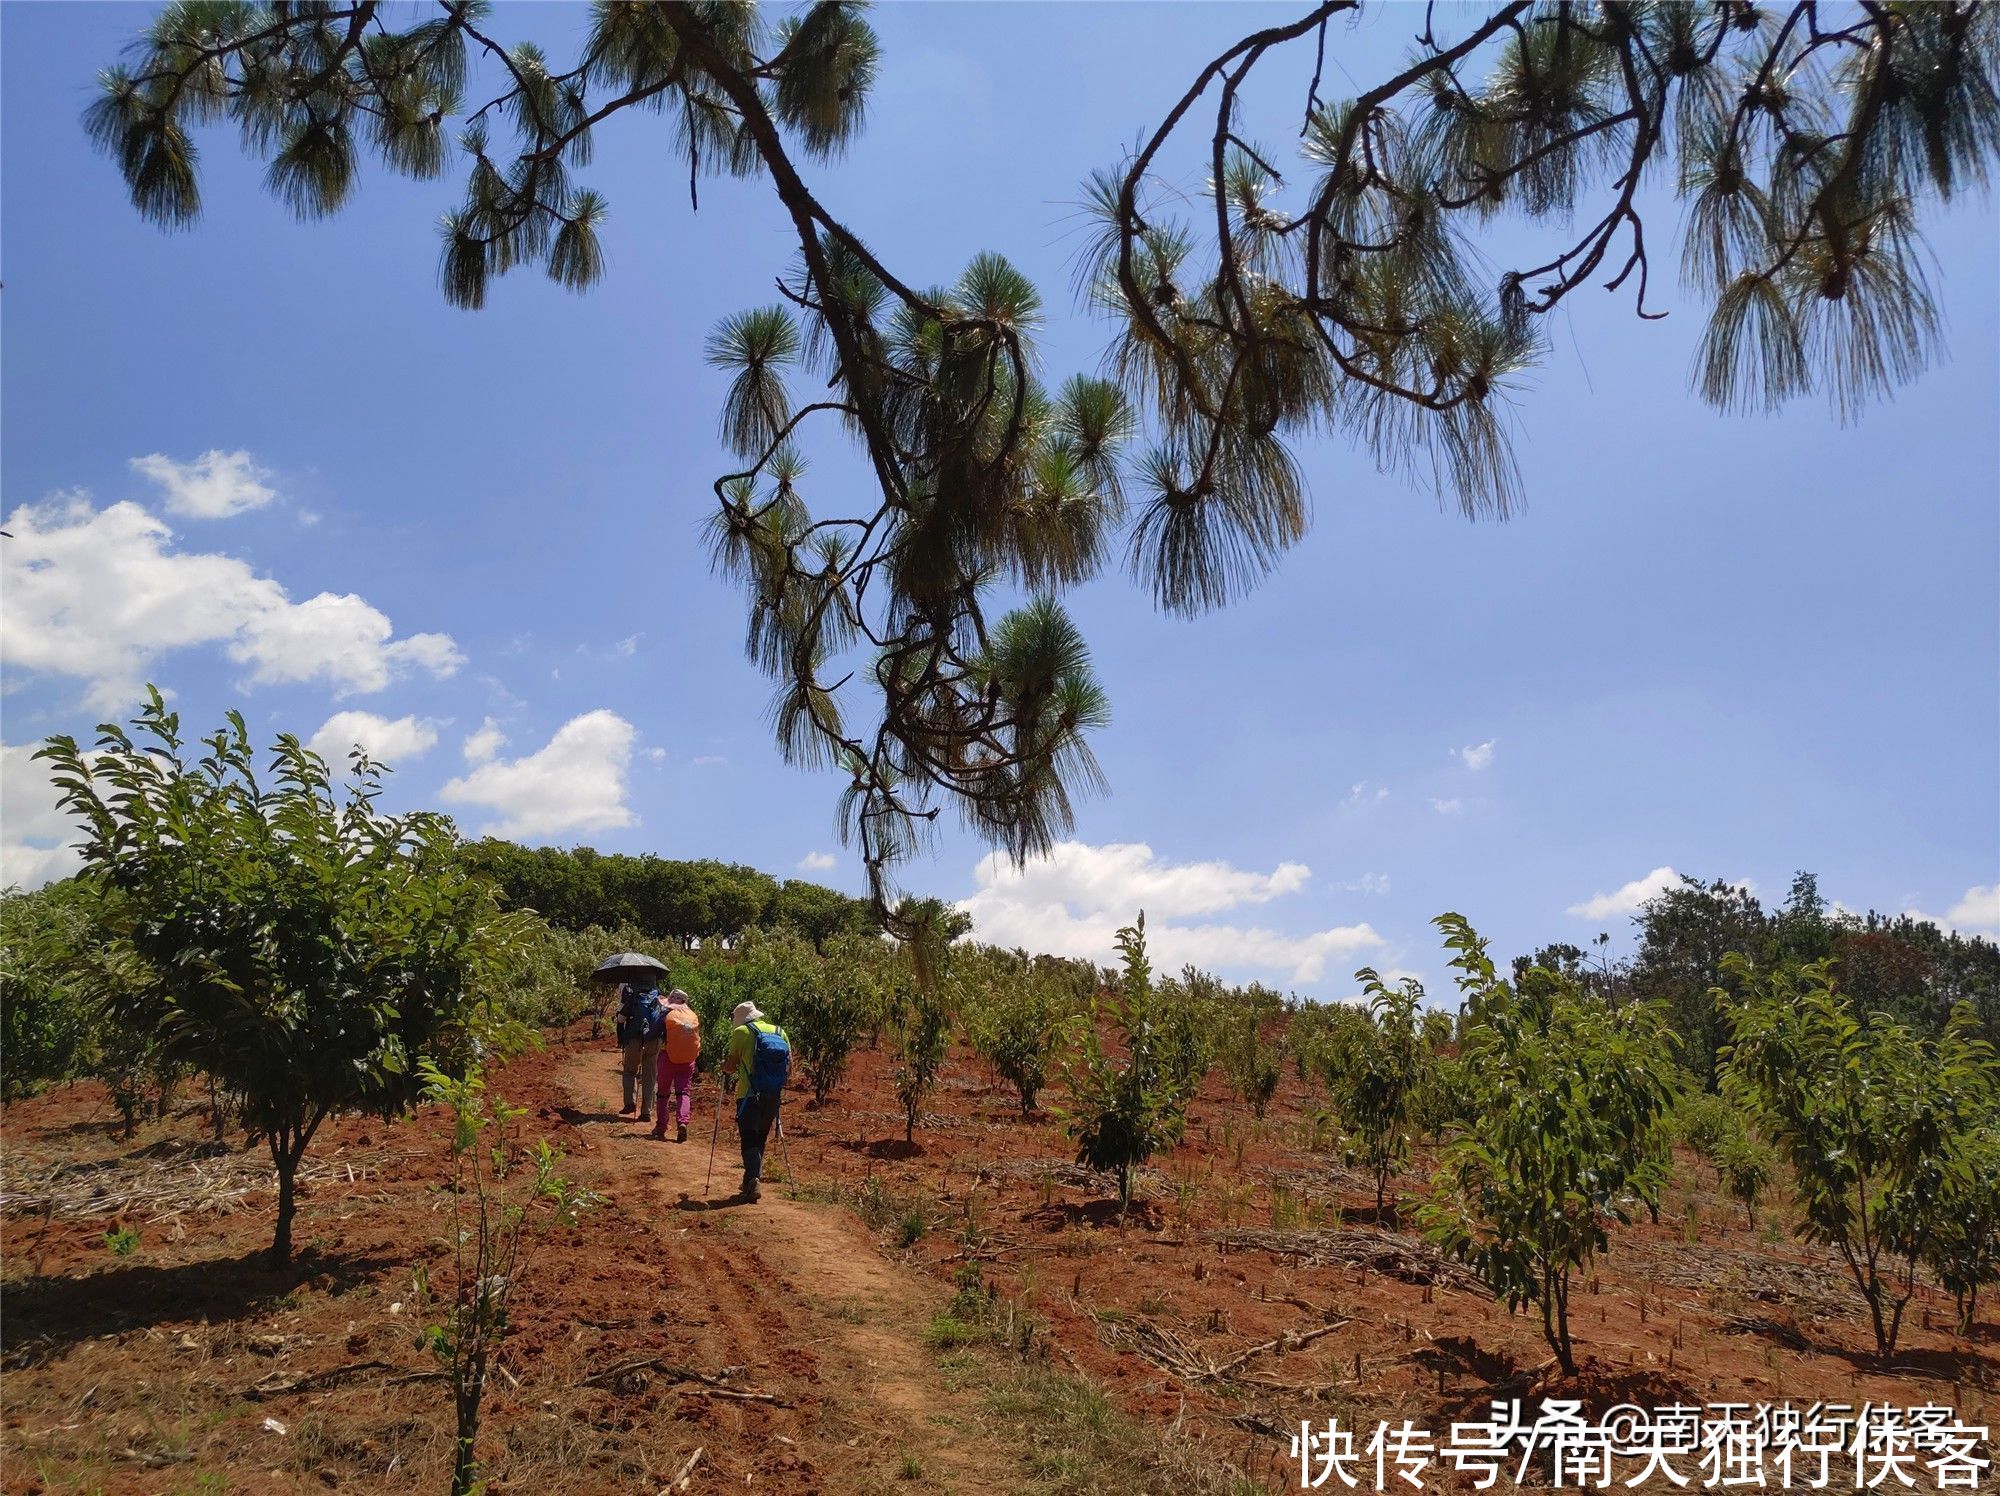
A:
[770, 1060]
[641, 1015]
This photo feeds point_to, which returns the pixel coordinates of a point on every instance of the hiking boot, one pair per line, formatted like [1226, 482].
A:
[627, 1109]
[749, 1190]
[645, 1116]
[660, 1131]
[681, 1133]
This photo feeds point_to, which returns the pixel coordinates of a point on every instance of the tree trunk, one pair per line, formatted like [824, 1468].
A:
[1885, 1340]
[285, 1157]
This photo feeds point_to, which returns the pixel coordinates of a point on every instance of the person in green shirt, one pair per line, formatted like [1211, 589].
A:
[760, 1088]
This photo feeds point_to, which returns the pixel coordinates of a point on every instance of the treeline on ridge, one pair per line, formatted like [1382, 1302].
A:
[577, 888]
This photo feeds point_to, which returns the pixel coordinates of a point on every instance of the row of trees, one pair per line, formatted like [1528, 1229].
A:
[1905, 967]
[685, 902]
[275, 934]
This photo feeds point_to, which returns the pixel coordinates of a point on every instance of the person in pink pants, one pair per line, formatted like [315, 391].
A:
[679, 1052]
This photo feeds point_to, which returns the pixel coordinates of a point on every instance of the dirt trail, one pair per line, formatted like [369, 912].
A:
[801, 1293]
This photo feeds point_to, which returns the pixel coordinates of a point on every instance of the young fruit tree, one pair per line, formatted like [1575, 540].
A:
[1874, 1120]
[1964, 1251]
[827, 1017]
[1384, 1081]
[1252, 1066]
[499, 1194]
[1020, 1014]
[304, 949]
[1120, 1115]
[1564, 1093]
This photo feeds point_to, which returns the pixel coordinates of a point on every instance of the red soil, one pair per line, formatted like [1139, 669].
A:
[141, 1373]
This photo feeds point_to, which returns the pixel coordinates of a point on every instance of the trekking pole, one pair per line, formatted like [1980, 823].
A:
[714, 1134]
[785, 1143]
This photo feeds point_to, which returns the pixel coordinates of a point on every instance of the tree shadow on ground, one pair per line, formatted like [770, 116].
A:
[47, 1317]
[721, 1202]
[1100, 1213]
[882, 1149]
[576, 1117]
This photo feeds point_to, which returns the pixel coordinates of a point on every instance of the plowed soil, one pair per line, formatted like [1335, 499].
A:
[810, 1342]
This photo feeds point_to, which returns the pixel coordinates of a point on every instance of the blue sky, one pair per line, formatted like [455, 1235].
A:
[1723, 646]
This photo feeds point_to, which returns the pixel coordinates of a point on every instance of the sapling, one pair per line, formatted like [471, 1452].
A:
[499, 1194]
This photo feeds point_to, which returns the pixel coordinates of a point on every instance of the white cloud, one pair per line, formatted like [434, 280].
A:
[1367, 793]
[1366, 883]
[389, 740]
[1978, 913]
[34, 832]
[486, 742]
[1478, 756]
[1073, 901]
[1446, 807]
[818, 862]
[215, 485]
[657, 754]
[575, 783]
[708, 760]
[628, 646]
[102, 595]
[1978, 910]
[1626, 900]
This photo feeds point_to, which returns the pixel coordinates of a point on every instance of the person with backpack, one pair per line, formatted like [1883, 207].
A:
[760, 1059]
[641, 1027]
[679, 1049]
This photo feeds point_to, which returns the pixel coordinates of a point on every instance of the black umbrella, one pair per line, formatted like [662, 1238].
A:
[628, 966]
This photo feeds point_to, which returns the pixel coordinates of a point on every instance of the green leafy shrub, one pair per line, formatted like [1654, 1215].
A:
[1020, 1016]
[1564, 1091]
[1378, 1090]
[1251, 1063]
[1873, 1119]
[827, 1015]
[1122, 1113]
[1744, 1165]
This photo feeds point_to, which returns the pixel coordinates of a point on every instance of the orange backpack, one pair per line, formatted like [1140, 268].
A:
[683, 1046]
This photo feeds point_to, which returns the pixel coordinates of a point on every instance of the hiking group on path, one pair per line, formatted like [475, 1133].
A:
[660, 1038]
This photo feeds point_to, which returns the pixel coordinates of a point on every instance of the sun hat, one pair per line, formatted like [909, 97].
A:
[677, 998]
[746, 1013]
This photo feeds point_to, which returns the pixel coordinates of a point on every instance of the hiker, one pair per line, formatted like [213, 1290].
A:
[679, 1050]
[641, 1026]
[760, 1059]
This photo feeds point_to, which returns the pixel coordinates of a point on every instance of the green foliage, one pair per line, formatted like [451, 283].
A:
[1870, 1115]
[1745, 1167]
[122, 1240]
[919, 1030]
[497, 1193]
[546, 983]
[1964, 1246]
[1020, 1014]
[1122, 1113]
[301, 947]
[48, 939]
[61, 959]
[826, 1015]
[685, 902]
[1381, 1087]
[1251, 1064]
[1564, 1095]
[1707, 1124]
